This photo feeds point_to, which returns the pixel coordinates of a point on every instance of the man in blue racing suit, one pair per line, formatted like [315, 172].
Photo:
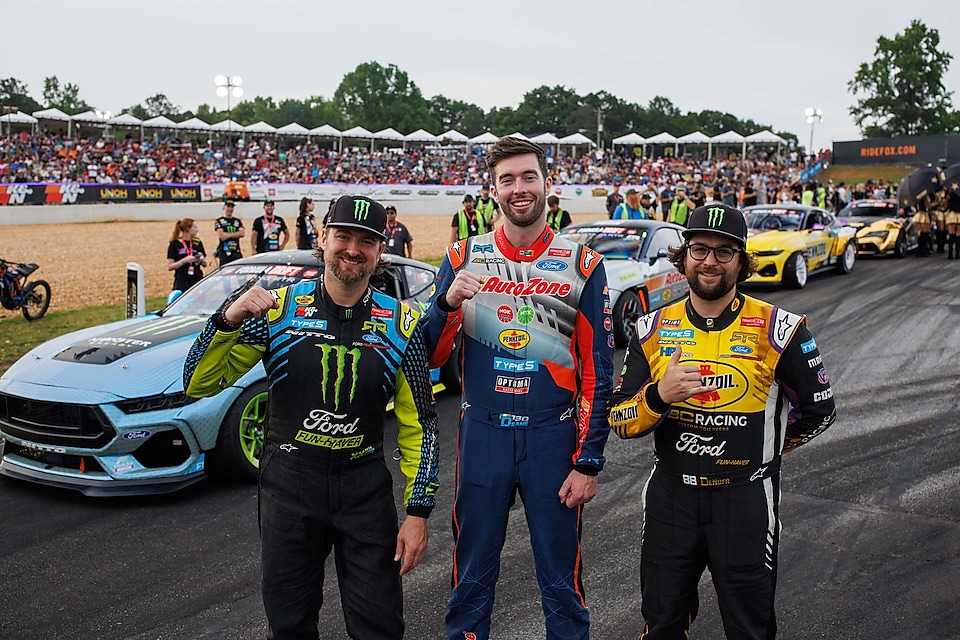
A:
[537, 372]
[335, 352]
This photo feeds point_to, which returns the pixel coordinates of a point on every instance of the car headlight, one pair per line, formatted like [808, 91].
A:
[155, 403]
[766, 254]
[875, 234]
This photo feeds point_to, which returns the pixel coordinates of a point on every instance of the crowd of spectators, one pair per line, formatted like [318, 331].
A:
[55, 158]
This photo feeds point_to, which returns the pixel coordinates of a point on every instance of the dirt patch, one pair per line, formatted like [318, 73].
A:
[85, 264]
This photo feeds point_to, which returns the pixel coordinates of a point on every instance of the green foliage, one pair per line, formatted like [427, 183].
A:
[19, 336]
[378, 97]
[903, 87]
[13, 93]
[65, 98]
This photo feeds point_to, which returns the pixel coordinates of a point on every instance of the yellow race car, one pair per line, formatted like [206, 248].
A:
[879, 228]
[792, 241]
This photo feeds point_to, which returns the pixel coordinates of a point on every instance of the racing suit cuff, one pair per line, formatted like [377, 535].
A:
[652, 395]
[586, 469]
[442, 303]
[420, 512]
[220, 323]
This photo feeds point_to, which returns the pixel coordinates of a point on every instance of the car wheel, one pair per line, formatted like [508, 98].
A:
[450, 371]
[900, 246]
[848, 258]
[630, 306]
[795, 271]
[240, 441]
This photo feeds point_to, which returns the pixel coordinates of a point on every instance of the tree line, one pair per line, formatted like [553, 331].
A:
[901, 92]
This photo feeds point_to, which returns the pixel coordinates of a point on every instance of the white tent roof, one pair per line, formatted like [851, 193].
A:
[325, 130]
[194, 124]
[388, 134]
[575, 138]
[662, 138]
[727, 137]
[356, 132]
[88, 116]
[126, 120]
[50, 114]
[484, 138]
[545, 138]
[161, 122]
[18, 118]
[517, 134]
[765, 136]
[420, 135]
[630, 138]
[226, 125]
[453, 135]
[697, 137]
[293, 129]
[260, 127]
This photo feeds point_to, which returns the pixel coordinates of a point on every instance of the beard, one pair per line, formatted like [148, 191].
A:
[722, 287]
[349, 278]
[528, 218]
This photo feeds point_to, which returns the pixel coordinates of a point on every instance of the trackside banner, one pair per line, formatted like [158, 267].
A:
[909, 150]
[77, 193]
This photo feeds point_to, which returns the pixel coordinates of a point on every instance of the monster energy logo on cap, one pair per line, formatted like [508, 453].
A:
[715, 216]
[336, 363]
[361, 209]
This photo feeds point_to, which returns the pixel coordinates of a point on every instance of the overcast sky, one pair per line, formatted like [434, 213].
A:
[760, 60]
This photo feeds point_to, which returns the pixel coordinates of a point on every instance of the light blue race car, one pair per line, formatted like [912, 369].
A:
[102, 410]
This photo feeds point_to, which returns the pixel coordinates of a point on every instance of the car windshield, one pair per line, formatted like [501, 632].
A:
[614, 243]
[773, 220]
[209, 293]
[869, 210]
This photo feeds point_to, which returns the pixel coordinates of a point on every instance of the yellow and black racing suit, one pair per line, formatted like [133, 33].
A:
[323, 480]
[713, 497]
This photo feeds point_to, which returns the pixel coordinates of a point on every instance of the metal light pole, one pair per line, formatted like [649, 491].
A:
[813, 116]
[226, 87]
[9, 112]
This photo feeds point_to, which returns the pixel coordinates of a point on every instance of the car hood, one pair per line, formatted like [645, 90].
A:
[873, 221]
[127, 359]
[774, 240]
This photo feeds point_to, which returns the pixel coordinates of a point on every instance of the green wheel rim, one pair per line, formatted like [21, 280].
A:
[251, 428]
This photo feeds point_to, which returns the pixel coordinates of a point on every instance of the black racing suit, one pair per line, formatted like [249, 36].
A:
[713, 497]
[323, 479]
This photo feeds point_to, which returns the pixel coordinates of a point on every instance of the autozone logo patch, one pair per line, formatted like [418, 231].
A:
[508, 384]
[514, 338]
[536, 286]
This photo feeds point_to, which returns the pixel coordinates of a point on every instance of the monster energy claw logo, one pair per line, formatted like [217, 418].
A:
[335, 362]
[715, 216]
[361, 208]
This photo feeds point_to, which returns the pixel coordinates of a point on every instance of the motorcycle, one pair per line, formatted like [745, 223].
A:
[32, 298]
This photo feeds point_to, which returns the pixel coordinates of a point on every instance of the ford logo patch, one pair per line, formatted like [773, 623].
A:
[140, 434]
[741, 348]
[372, 339]
[551, 265]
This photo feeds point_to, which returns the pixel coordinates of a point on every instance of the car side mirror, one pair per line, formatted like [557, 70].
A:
[173, 295]
[661, 253]
[817, 227]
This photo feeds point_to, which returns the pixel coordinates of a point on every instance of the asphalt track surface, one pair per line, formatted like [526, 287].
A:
[871, 511]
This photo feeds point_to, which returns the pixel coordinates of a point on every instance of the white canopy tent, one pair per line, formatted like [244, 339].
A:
[731, 137]
[357, 132]
[420, 135]
[227, 125]
[765, 137]
[325, 131]
[545, 138]
[17, 118]
[160, 122]
[194, 124]
[388, 134]
[576, 140]
[484, 138]
[630, 139]
[664, 138]
[260, 127]
[125, 120]
[453, 136]
[293, 129]
[51, 114]
[517, 134]
[697, 137]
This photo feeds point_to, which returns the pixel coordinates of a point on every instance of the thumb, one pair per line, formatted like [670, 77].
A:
[675, 358]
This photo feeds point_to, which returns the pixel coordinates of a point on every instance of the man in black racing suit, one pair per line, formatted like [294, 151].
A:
[335, 352]
[727, 384]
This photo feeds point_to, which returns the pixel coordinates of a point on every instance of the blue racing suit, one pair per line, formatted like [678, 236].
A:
[538, 370]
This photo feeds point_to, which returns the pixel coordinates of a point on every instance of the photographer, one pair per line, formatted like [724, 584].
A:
[185, 255]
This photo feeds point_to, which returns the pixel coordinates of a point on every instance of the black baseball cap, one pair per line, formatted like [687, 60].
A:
[267, 201]
[358, 212]
[718, 218]
[468, 198]
[229, 203]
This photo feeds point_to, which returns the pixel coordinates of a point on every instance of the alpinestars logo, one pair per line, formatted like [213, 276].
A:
[361, 209]
[714, 217]
[337, 364]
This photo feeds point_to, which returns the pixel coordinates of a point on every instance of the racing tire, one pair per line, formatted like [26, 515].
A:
[450, 372]
[795, 272]
[900, 247]
[630, 306]
[240, 440]
[848, 258]
[36, 299]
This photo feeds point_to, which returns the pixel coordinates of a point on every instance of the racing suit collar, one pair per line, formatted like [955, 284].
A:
[342, 313]
[722, 321]
[523, 254]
